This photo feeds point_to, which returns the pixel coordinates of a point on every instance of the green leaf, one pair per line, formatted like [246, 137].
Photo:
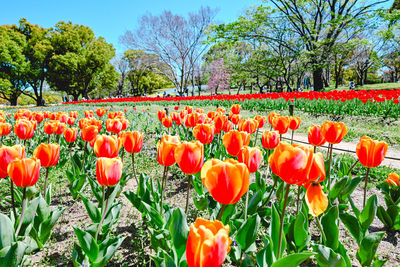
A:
[156, 219]
[368, 247]
[368, 213]
[293, 260]
[301, 234]
[93, 212]
[6, 231]
[266, 257]
[12, 255]
[326, 257]
[201, 203]
[88, 244]
[29, 217]
[337, 188]
[247, 233]
[107, 250]
[352, 225]
[274, 231]
[179, 231]
[330, 222]
[384, 217]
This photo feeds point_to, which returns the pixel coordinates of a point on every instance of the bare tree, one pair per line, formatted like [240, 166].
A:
[177, 41]
[122, 66]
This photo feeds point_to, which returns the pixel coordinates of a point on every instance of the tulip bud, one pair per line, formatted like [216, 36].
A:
[108, 171]
[48, 154]
[24, 172]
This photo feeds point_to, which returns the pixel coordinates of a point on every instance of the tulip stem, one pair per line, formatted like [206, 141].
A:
[291, 140]
[255, 141]
[104, 213]
[84, 154]
[298, 199]
[163, 187]
[187, 193]
[245, 206]
[281, 223]
[315, 149]
[221, 212]
[352, 167]
[270, 193]
[48, 140]
[330, 148]
[133, 168]
[13, 199]
[45, 183]
[365, 187]
[320, 228]
[1, 140]
[22, 212]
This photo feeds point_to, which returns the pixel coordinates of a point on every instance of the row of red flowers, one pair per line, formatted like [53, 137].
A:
[363, 95]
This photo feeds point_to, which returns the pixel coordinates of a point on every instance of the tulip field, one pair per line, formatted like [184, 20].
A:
[204, 182]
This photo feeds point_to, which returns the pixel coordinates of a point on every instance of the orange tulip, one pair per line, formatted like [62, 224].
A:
[89, 113]
[281, 124]
[294, 123]
[24, 172]
[227, 126]
[220, 110]
[108, 171]
[235, 118]
[227, 181]
[24, 129]
[211, 114]
[161, 114]
[101, 112]
[234, 141]
[334, 132]
[166, 150]
[316, 200]
[219, 122]
[59, 127]
[73, 114]
[251, 157]
[248, 125]
[271, 117]
[315, 136]
[132, 142]
[48, 154]
[107, 146]
[371, 153]
[189, 156]
[167, 122]
[70, 134]
[235, 108]
[189, 109]
[270, 139]
[208, 243]
[7, 155]
[88, 133]
[113, 125]
[38, 116]
[5, 128]
[393, 179]
[292, 163]
[261, 120]
[71, 121]
[192, 119]
[204, 133]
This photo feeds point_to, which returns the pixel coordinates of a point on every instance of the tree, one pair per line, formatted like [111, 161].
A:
[13, 64]
[121, 65]
[176, 40]
[78, 59]
[321, 23]
[38, 51]
[220, 76]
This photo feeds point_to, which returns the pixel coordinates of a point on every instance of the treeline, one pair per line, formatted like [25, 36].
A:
[289, 45]
[68, 58]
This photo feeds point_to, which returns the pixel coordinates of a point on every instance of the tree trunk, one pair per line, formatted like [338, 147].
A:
[318, 79]
[13, 101]
[39, 101]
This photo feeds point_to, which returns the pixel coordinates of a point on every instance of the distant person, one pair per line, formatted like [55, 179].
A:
[352, 85]
[43, 102]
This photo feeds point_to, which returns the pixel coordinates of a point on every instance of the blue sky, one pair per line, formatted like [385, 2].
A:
[111, 18]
